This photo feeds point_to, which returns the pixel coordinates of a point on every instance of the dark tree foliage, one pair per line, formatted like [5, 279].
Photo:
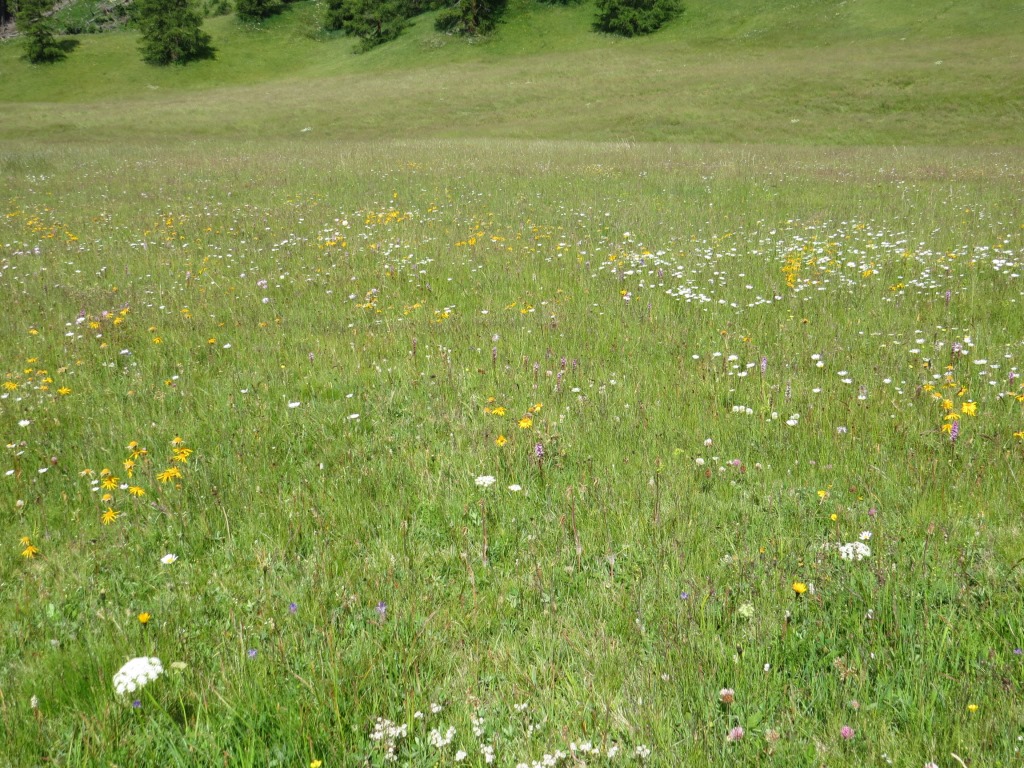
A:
[372, 21]
[171, 32]
[257, 10]
[41, 46]
[6, 11]
[471, 17]
[634, 17]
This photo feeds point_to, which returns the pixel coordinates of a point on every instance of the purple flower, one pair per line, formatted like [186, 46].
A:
[1017, 651]
[764, 364]
[735, 734]
[293, 607]
[872, 512]
[846, 732]
[382, 610]
[538, 451]
[684, 596]
[137, 704]
[954, 430]
[252, 653]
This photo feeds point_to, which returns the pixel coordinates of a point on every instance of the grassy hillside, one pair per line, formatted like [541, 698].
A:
[743, 71]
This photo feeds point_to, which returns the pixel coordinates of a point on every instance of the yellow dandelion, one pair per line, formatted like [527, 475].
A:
[63, 391]
[499, 411]
[972, 708]
[109, 516]
[144, 618]
[500, 441]
[799, 587]
[535, 408]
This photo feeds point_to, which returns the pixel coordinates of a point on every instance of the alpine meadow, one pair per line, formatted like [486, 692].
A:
[519, 384]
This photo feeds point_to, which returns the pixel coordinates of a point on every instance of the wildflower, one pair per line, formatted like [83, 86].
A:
[735, 734]
[109, 516]
[515, 488]
[136, 491]
[30, 550]
[177, 440]
[854, 551]
[969, 409]
[727, 696]
[972, 708]
[846, 732]
[538, 451]
[865, 535]
[293, 607]
[169, 559]
[144, 618]
[171, 473]
[109, 482]
[499, 411]
[954, 431]
[24, 423]
[382, 610]
[137, 673]
[799, 587]
[525, 423]
[63, 391]
[485, 481]
[500, 440]
[251, 653]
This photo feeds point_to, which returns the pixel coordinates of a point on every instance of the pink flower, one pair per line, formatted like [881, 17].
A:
[846, 732]
[735, 734]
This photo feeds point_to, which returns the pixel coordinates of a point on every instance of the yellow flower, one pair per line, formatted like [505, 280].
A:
[110, 482]
[499, 411]
[822, 495]
[137, 491]
[106, 498]
[525, 423]
[947, 405]
[104, 472]
[181, 455]
[211, 340]
[30, 551]
[157, 340]
[109, 516]
[64, 391]
[1019, 435]
[315, 763]
[500, 441]
[144, 618]
[10, 386]
[132, 445]
[969, 409]
[833, 517]
[799, 587]
[535, 408]
[169, 474]
[86, 473]
[176, 441]
[972, 707]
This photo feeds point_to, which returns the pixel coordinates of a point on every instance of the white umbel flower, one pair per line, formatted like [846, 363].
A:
[136, 673]
[485, 481]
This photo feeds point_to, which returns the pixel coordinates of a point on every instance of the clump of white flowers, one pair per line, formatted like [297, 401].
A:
[136, 673]
[855, 550]
[485, 481]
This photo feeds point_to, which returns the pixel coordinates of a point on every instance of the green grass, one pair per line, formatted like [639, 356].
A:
[733, 280]
[799, 73]
[392, 271]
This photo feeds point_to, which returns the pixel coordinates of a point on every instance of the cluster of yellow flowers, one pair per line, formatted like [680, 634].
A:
[138, 456]
[525, 422]
[946, 396]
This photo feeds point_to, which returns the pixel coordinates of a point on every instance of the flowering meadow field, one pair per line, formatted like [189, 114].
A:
[510, 453]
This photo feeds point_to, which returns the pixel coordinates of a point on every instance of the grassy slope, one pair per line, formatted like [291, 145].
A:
[741, 71]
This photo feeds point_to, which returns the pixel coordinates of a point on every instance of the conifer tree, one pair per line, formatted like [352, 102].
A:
[41, 47]
[471, 17]
[257, 10]
[634, 17]
[372, 21]
[171, 32]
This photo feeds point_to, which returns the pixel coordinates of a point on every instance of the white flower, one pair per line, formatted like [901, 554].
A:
[136, 673]
[699, 461]
[24, 423]
[865, 535]
[460, 756]
[485, 481]
[353, 416]
[855, 550]
[294, 405]
[168, 559]
[515, 488]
